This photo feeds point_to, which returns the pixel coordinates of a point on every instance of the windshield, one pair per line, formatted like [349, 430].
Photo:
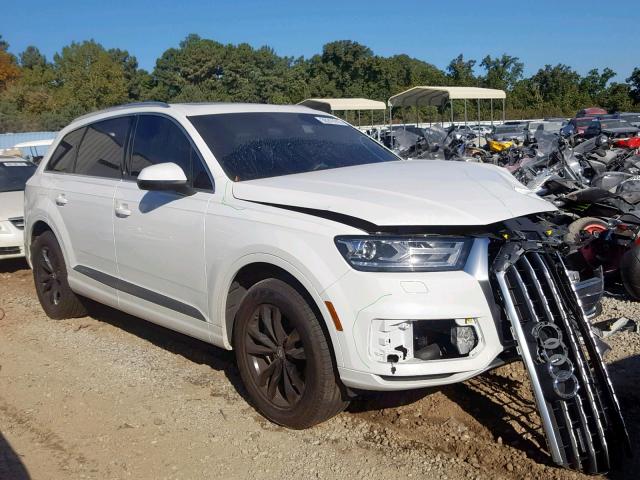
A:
[583, 122]
[256, 145]
[14, 174]
[509, 129]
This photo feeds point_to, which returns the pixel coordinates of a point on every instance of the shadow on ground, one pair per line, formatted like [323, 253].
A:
[190, 348]
[11, 466]
[13, 265]
[625, 376]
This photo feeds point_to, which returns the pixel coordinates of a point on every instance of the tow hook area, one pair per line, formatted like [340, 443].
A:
[397, 341]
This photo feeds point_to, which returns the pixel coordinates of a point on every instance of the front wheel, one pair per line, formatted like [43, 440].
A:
[284, 357]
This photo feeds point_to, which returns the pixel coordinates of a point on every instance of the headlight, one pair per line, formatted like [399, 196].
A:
[404, 254]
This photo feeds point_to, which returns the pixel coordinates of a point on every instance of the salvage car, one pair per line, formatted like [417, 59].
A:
[14, 173]
[611, 127]
[509, 132]
[329, 264]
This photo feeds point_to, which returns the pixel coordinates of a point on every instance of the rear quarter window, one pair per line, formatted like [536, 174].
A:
[64, 156]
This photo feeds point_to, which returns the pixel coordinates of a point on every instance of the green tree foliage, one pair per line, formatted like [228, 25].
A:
[634, 83]
[503, 72]
[460, 71]
[36, 93]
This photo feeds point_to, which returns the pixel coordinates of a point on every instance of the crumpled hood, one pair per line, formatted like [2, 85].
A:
[414, 192]
[11, 205]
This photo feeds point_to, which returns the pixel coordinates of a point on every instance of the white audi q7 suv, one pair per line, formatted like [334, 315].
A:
[326, 262]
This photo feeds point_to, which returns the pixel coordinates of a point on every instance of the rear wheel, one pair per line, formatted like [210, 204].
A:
[630, 271]
[50, 275]
[284, 357]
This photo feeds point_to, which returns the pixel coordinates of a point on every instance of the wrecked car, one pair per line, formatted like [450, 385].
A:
[329, 264]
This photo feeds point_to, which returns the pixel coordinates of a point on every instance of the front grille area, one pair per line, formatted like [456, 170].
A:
[18, 222]
[9, 250]
[579, 411]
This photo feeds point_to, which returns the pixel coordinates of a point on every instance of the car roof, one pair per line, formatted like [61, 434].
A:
[186, 109]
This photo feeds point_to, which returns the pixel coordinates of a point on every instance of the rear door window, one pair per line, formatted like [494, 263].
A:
[64, 156]
[102, 150]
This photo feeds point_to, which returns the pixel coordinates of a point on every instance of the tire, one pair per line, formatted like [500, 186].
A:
[50, 276]
[284, 357]
[590, 224]
[630, 271]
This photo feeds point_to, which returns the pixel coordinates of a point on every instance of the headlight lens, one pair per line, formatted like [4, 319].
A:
[404, 254]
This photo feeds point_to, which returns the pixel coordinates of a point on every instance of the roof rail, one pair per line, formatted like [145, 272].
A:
[120, 107]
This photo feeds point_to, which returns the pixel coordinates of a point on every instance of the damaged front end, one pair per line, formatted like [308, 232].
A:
[547, 309]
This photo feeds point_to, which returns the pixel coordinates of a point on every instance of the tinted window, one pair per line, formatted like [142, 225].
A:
[102, 149]
[64, 156]
[159, 140]
[269, 144]
[14, 173]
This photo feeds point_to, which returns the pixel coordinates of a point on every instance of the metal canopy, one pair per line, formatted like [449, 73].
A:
[439, 96]
[34, 143]
[342, 104]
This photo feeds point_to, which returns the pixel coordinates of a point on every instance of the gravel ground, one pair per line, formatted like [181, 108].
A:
[112, 396]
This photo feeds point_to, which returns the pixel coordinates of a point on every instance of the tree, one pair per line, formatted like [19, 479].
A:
[503, 72]
[595, 83]
[88, 78]
[460, 71]
[634, 82]
[32, 58]
[9, 69]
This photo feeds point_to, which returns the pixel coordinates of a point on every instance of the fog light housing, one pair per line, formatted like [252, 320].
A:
[464, 338]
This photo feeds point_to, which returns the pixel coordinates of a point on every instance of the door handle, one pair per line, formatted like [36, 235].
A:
[61, 200]
[122, 210]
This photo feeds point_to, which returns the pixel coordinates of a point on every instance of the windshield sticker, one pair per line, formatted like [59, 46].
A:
[331, 121]
[15, 164]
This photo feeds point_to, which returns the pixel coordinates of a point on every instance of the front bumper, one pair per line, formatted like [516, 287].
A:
[379, 311]
[11, 242]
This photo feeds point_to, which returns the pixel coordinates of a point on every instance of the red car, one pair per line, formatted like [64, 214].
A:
[631, 142]
[580, 124]
[591, 112]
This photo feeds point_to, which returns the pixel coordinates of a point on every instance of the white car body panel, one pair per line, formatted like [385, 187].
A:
[417, 192]
[11, 236]
[189, 249]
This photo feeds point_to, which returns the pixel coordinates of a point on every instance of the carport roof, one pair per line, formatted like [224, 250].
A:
[437, 96]
[339, 104]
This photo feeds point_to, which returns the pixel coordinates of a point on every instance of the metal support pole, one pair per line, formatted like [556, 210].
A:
[451, 105]
[359, 122]
[391, 126]
[503, 113]
[465, 112]
[491, 112]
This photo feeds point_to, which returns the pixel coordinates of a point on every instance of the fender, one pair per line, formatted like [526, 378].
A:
[222, 327]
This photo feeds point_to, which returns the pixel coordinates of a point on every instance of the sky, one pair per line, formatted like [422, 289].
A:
[584, 34]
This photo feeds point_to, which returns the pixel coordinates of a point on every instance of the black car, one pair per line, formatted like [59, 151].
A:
[632, 118]
[611, 127]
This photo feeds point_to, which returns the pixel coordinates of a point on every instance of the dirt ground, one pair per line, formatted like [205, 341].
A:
[111, 396]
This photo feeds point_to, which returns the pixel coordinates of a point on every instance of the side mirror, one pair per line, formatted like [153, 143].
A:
[162, 176]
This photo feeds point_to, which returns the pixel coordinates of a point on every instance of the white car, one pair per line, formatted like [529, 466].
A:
[14, 173]
[328, 263]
